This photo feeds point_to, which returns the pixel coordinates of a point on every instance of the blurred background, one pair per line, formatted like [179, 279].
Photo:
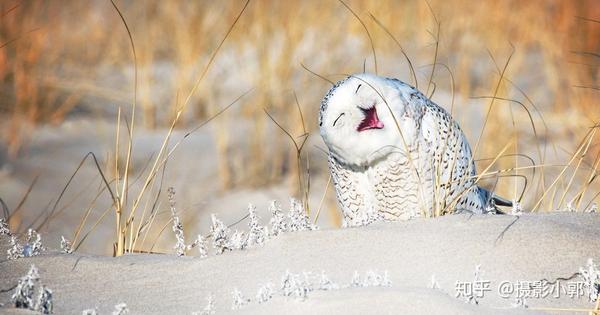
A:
[67, 74]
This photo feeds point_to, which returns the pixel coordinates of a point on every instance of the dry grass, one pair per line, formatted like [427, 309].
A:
[58, 59]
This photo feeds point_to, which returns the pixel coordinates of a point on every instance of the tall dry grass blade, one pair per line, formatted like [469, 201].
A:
[437, 45]
[123, 195]
[589, 136]
[452, 86]
[214, 54]
[588, 20]
[86, 215]
[366, 30]
[298, 146]
[410, 64]
[104, 180]
[497, 89]
[316, 74]
[580, 160]
[5, 211]
[14, 7]
[322, 199]
[24, 198]
[10, 41]
[593, 175]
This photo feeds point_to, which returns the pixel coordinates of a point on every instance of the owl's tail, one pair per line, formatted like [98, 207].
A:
[495, 200]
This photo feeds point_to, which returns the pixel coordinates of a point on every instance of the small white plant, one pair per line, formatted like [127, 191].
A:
[238, 240]
[90, 311]
[326, 284]
[594, 208]
[299, 221]
[293, 285]
[372, 279]
[570, 207]
[33, 245]
[209, 309]
[180, 247]
[434, 284]
[265, 293]
[591, 280]
[278, 222]
[65, 245]
[120, 309]
[258, 234]
[239, 301]
[16, 250]
[44, 302]
[516, 209]
[355, 282]
[23, 295]
[220, 235]
[4, 229]
[386, 282]
[201, 244]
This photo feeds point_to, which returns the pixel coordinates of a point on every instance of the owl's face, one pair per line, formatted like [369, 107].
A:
[357, 124]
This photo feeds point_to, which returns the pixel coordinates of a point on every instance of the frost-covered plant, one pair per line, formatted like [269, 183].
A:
[238, 240]
[295, 286]
[65, 245]
[287, 281]
[209, 309]
[355, 282]
[591, 280]
[33, 245]
[16, 250]
[299, 221]
[44, 302]
[4, 229]
[202, 246]
[594, 208]
[90, 311]
[278, 222]
[120, 309]
[570, 207]
[220, 235]
[434, 284]
[325, 284]
[239, 300]
[257, 234]
[374, 279]
[177, 228]
[516, 209]
[23, 295]
[265, 293]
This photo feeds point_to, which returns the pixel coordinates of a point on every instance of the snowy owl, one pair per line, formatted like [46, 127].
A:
[395, 155]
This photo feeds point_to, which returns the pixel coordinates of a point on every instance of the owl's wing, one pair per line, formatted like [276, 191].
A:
[352, 191]
[451, 161]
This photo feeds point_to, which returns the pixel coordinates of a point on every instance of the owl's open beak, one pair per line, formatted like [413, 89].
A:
[371, 121]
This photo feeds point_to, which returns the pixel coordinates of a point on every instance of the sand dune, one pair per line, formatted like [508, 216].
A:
[535, 247]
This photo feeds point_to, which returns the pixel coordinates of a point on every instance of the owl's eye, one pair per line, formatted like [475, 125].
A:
[358, 87]
[336, 120]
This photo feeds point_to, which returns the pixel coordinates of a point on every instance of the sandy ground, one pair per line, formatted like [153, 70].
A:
[533, 248]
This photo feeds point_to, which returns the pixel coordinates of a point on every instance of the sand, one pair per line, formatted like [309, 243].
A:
[535, 247]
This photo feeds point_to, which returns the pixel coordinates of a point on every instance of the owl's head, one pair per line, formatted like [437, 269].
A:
[359, 119]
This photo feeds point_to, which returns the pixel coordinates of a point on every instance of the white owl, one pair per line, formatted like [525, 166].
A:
[394, 154]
